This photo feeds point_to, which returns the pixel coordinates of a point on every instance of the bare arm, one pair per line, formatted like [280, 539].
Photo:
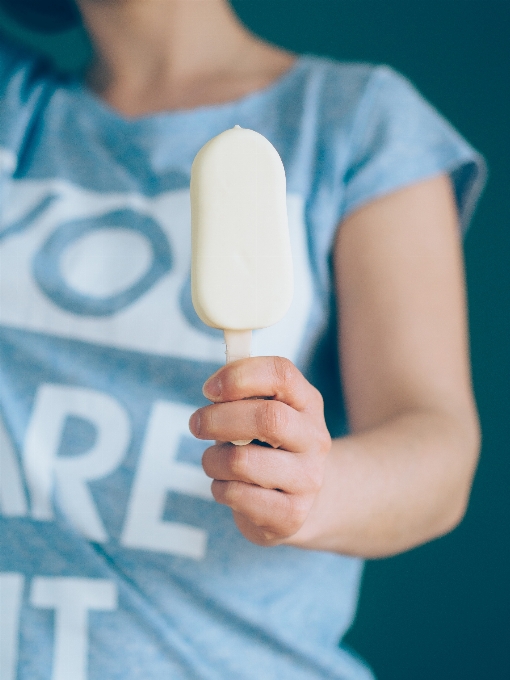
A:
[403, 476]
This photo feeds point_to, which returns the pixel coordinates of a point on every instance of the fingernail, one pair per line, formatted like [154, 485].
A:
[194, 423]
[212, 388]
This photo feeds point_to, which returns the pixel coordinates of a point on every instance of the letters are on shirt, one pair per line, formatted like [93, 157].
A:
[110, 271]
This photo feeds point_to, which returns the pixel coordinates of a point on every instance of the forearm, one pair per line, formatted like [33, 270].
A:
[394, 487]
[404, 475]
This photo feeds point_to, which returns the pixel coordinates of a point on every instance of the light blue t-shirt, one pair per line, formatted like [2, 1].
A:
[115, 562]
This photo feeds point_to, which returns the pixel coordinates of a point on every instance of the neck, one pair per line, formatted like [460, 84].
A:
[154, 55]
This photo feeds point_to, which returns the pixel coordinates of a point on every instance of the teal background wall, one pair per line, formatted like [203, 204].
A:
[441, 611]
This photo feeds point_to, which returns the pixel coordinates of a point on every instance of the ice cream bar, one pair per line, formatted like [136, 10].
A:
[241, 271]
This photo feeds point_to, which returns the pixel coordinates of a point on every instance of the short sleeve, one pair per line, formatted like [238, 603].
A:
[398, 139]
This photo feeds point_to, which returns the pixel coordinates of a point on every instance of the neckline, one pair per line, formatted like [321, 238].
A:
[158, 118]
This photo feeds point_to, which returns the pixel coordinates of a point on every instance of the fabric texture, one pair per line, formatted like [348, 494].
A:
[115, 562]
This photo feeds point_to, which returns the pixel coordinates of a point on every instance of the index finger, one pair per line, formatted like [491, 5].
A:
[273, 377]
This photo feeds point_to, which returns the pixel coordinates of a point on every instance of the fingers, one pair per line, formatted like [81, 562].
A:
[270, 490]
[263, 377]
[269, 421]
[267, 468]
[264, 516]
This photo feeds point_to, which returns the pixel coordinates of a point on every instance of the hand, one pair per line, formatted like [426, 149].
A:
[270, 490]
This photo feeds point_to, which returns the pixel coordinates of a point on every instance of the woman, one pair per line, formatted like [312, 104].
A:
[115, 560]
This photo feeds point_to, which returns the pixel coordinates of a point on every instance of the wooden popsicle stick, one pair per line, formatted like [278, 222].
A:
[238, 347]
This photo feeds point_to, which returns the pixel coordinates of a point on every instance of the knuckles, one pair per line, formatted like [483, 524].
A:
[286, 519]
[287, 379]
[324, 440]
[294, 515]
[270, 522]
[278, 373]
[312, 477]
[238, 460]
[284, 372]
[317, 398]
[267, 516]
[272, 421]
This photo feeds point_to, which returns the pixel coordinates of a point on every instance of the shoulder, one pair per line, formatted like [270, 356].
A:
[25, 80]
[356, 105]
[376, 133]
[345, 87]
[21, 69]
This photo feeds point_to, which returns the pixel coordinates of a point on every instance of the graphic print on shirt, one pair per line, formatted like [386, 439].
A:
[113, 269]
[70, 600]
[104, 352]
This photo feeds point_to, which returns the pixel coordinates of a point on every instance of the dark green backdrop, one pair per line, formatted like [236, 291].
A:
[441, 612]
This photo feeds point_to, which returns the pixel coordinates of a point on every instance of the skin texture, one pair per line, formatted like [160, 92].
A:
[403, 476]
[159, 55]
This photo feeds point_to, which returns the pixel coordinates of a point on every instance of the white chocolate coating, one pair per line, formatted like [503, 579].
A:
[241, 272]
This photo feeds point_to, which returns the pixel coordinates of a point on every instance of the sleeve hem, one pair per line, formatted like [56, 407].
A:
[468, 175]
